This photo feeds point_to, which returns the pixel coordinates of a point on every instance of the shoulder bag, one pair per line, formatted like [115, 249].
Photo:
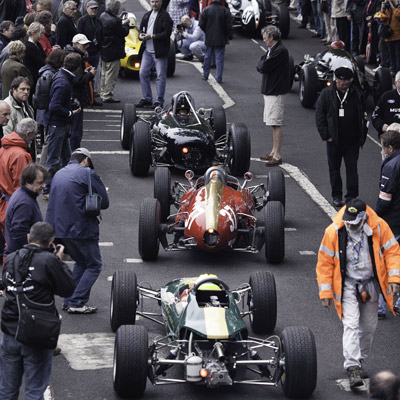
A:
[93, 200]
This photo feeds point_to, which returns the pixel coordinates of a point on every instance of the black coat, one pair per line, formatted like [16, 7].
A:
[387, 110]
[93, 29]
[114, 32]
[162, 31]
[10, 10]
[66, 30]
[216, 22]
[34, 59]
[274, 68]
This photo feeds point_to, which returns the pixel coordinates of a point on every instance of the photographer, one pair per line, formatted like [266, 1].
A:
[190, 39]
[391, 33]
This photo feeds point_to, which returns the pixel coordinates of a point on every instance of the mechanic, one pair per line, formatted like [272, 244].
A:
[387, 110]
[44, 275]
[351, 270]
[342, 122]
[155, 32]
[274, 67]
[216, 23]
[190, 39]
[78, 231]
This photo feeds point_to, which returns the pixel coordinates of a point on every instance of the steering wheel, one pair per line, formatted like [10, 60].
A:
[217, 281]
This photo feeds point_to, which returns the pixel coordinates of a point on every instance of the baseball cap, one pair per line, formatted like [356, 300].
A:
[81, 39]
[85, 152]
[92, 4]
[344, 73]
[355, 210]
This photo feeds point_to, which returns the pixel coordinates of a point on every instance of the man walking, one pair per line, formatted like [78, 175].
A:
[43, 276]
[155, 31]
[274, 67]
[78, 231]
[358, 259]
[216, 22]
[341, 121]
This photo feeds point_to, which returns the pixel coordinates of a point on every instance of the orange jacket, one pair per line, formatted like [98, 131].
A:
[385, 255]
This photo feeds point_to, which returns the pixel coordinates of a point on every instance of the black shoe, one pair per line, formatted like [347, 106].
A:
[205, 78]
[144, 103]
[354, 375]
[112, 100]
[157, 104]
[97, 103]
[302, 26]
[188, 58]
[337, 202]
[382, 315]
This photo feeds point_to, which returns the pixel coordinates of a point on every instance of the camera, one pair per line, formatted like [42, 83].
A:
[180, 27]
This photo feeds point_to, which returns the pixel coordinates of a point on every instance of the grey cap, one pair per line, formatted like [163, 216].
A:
[85, 152]
[92, 4]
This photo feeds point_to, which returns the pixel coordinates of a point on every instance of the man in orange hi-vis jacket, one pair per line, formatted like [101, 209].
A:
[358, 259]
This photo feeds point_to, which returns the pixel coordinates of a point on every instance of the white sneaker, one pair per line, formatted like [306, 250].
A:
[376, 69]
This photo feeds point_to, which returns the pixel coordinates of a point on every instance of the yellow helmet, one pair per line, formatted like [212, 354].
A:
[207, 285]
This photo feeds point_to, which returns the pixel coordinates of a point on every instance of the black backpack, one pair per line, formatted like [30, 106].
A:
[41, 98]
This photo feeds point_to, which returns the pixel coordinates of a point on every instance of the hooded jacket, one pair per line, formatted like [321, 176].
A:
[18, 111]
[331, 267]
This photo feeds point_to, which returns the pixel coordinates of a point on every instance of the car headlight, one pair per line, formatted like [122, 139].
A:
[211, 237]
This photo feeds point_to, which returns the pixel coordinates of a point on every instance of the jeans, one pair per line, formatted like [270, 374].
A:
[76, 130]
[17, 360]
[58, 151]
[149, 60]
[87, 267]
[219, 53]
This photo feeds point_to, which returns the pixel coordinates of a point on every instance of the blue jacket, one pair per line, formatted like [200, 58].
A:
[22, 212]
[66, 209]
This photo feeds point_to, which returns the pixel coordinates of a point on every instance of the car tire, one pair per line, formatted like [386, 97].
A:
[284, 21]
[130, 361]
[291, 72]
[171, 59]
[382, 82]
[128, 118]
[239, 149]
[149, 223]
[267, 5]
[262, 302]
[123, 299]
[274, 234]
[360, 64]
[300, 362]
[140, 149]
[276, 187]
[218, 121]
[162, 190]
[309, 85]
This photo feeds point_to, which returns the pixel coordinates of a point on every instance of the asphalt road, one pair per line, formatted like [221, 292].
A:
[84, 368]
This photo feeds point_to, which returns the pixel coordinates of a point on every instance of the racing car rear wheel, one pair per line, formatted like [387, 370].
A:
[360, 63]
[238, 149]
[171, 59]
[276, 187]
[308, 92]
[162, 190]
[266, 4]
[382, 82]
[130, 361]
[149, 222]
[128, 118]
[274, 235]
[262, 302]
[284, 21]
[300, 362]
[123, 299]
[140, 149]
[218, 121]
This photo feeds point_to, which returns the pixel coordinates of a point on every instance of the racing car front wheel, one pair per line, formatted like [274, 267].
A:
[238, 149]
[162, 190]
[276, 187]
[149, 223]
[299, 354]
[128, 118]
[171, 63]
[261, 301]
[130, 361]
[274, 235]
[308, 91]
[123, 299]
[284, 21]
[140, 149]
[218, 121]
[382, 82]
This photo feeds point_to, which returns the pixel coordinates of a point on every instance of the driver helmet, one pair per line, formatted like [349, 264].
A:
[215, 173]
[207, 285]
[337, 44]
[181, 103]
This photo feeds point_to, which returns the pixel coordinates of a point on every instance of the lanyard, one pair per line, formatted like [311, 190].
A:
[356, 248]
[344, 97]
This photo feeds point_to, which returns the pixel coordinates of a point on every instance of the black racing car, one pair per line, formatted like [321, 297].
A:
[184, 138]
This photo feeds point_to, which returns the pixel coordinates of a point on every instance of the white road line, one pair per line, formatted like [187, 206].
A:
[145, 5]
[374, 140]
[100, 140]
[263, 49]
[110, 152]
[266, 176]
[106, 244]
[290, 229]
[254, 41]
[102, 130]
[307, 253]
[133, 260]
[103, 111]
[47, 394]
[109, 278]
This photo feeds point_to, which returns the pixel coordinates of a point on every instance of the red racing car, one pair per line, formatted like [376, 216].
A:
[214, 213]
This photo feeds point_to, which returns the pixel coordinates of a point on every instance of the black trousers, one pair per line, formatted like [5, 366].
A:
[349, 153]
[344, 32]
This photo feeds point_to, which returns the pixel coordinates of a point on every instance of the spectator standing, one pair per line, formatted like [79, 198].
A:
[23, 209]
[216, 23]
[384, 385]
[274, 67]
[393, 41]
[306, 14]
[370, 25]
[49, 277]
[48, 39]
[385, 112]
[113, 49]
[191, 39]
[58, 118]
[78, 231]
[84, 5]
[14, 67]
[351, 271]
[177, 9]
[14, 156]
[41, 5]
[341, 121]
[10, 10]
[338, 13]
[6, 30]
[354, 12]
[66, 26]
[155, 31]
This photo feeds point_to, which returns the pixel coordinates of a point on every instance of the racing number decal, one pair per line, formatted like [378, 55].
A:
[228, 212]
[197, 211]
